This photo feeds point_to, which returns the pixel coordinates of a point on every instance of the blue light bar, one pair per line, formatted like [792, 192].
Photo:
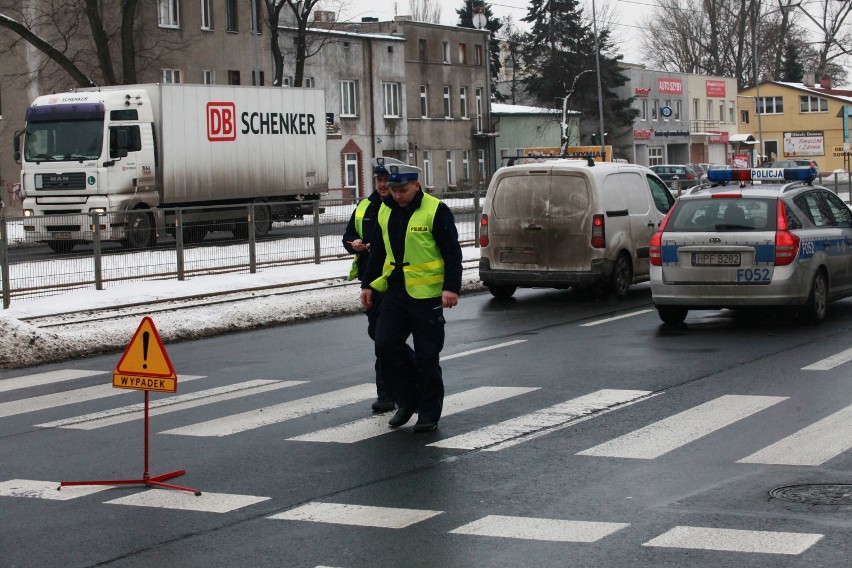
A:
[806, 174]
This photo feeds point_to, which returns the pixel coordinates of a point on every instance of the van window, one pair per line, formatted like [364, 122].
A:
[521, 197]
[613, 194]
[569, 196]
[636, 192]
[663, 199]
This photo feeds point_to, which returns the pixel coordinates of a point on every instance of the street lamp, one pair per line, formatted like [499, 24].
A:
[600, 90]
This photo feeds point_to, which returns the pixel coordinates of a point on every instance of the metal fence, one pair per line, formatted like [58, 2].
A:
[29, 268]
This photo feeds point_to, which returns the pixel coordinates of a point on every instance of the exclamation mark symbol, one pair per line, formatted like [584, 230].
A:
[145, 336]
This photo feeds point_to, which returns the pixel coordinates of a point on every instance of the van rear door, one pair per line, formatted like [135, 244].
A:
[569, 223]
[518, 220]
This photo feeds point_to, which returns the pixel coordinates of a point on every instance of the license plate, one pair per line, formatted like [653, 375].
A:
[716, 259]
[60, 235]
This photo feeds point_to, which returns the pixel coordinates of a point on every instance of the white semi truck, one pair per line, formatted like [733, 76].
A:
[135, 153]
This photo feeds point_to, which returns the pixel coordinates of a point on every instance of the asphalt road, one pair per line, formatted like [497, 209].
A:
[577, 432]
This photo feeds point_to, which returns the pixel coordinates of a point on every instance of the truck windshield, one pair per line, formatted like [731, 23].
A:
[63, 140]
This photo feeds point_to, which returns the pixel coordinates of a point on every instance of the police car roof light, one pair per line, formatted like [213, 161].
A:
[806, 174]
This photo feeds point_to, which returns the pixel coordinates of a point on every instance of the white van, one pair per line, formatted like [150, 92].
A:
[569, 224]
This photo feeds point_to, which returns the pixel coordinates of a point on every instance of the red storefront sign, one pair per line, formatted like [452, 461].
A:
[670, 86]
[644, 134]
[719, 137]
[715, 88]
[642, 92]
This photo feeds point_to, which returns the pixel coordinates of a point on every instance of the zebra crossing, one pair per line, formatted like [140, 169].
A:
[813, 445]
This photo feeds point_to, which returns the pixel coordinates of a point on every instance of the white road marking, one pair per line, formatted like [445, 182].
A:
[732, 540]
[266, 416]
[170, 404]
[814, 445]
[530, 528]
[540, 420]
[830, 362]
[359, 515]
[86, 394]
[671, 433]
[35, 489]
[615, 318]
[481, 349]
[186, 501]
[48, 378]
[378, 425]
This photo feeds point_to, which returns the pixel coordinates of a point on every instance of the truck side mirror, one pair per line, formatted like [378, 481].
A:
[118, 143]
[16, 146]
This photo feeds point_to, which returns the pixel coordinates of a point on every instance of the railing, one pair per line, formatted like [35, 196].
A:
[28, 269]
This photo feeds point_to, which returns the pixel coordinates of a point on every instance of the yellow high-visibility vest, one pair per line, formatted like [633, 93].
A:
[360, 211]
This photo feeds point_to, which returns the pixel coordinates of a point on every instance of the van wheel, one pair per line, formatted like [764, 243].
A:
[815, 309]
[672, 315]
[622, 275]
[139, 231]
[502, 291]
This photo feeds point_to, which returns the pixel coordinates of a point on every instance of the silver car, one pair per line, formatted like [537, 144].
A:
[727, 245]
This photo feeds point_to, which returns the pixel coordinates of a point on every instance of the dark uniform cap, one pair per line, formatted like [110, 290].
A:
[400, 175]
[381, 164]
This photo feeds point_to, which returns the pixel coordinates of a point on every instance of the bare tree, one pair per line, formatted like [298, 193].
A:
[425, 11]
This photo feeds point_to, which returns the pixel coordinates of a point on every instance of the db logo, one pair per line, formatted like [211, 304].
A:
[221, 122]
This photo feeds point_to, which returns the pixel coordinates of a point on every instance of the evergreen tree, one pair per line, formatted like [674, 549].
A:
[493, 25]
[559, 48]
[792, 70]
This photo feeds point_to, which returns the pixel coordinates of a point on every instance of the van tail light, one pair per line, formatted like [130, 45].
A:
[786, 243]
[598, 232]
[656, 249]
[483, 230]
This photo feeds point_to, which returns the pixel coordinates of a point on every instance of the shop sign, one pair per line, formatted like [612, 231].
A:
[715, 88]
[804, 144]
[670, 86]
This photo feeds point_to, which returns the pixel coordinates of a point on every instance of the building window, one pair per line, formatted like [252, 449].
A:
[477, 54]
[770, 105]
[722, 111]
[643, 109]
[348, 98]
[478, 103]
[421, 49]
[168, 11]
[391, 94]
[445, 49]
[233, 77]
[655, 156]
[677, 110]
[463, 53]
[480, 159]
[731, 113]
[255, 15]
[231, 23]
[744, 116]
[655, 109]
[254, 80]
[424, 101]
[346, 46]
[466, 164]
[308, 82]
[427, 167]
[451, 169]
[207, 77]
[206, 15]
[812, 104]
[709, 114]
[463, 102]
[170, 75]
[696, 108]
[390, 49]
[350, 171]
[286, 81]
[448, 105]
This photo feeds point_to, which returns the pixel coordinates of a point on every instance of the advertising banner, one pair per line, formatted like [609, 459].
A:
[804, 144]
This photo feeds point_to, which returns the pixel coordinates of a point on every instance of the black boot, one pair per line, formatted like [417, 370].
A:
[403, 415]
[383, 405]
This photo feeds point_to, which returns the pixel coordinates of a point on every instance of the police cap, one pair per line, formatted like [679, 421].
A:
[399, 175]
[381, 164]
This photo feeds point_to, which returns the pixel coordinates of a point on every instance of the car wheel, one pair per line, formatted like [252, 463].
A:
[672, 315]
[817, 306]
[139, 231]
[501, 291]
[622, 275]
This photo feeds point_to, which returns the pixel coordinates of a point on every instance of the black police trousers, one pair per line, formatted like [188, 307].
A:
[402, 316]
[385, 389]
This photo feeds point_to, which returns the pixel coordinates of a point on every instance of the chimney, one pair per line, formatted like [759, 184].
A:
[825, 82]
[808, 79]
[324, 16]
[403, 18]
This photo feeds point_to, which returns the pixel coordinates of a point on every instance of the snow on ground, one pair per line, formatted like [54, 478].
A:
[23, 344]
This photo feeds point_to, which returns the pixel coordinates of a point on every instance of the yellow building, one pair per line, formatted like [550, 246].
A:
[797, 121]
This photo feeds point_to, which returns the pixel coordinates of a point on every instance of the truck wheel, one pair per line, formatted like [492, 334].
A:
[672, 315]
[194, 234]
[262, 223]
[815, 309]
[501, 291]
[139, 231]
[61, 247]
[622, 275]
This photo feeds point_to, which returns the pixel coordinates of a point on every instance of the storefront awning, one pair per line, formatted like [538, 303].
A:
[742, 139]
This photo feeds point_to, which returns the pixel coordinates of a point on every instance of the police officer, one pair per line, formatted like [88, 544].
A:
[356, 240]
[415, 262]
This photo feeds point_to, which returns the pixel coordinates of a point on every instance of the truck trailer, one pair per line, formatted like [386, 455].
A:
[136, 154]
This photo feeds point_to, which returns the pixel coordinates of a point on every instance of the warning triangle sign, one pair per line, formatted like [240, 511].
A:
[145, 355]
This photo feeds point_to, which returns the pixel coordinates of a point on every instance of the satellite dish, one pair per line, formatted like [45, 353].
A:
[479, 20]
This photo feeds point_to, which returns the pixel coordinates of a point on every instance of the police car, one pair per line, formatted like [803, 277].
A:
[734, 243]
